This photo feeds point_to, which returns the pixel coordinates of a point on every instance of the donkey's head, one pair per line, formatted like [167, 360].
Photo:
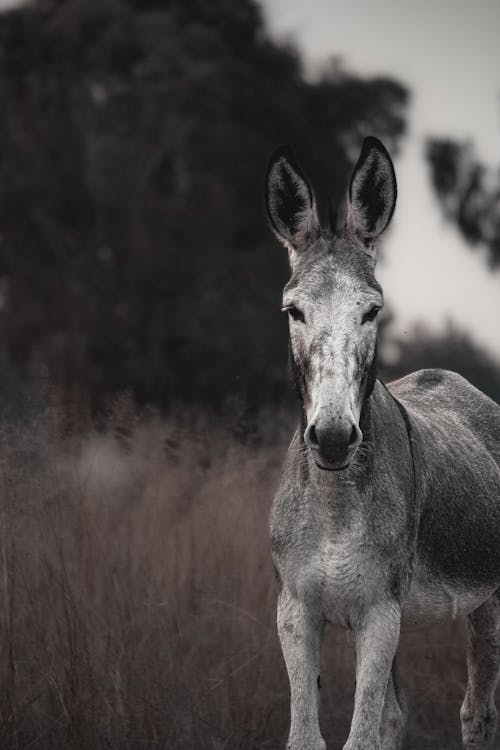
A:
[332, 298]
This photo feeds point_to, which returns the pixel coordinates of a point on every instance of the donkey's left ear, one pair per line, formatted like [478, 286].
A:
[372, 193]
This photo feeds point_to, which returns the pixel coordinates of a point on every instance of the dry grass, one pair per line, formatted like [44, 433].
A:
[137, 597]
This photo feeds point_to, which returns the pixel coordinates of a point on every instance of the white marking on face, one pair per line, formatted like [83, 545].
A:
[333, 339]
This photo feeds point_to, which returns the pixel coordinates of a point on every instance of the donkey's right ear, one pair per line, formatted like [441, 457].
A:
[290, 202]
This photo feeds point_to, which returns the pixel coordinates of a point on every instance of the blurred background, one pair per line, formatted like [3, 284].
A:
[144, 397]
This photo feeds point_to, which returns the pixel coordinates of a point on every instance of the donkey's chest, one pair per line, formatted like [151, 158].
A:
[337, 578]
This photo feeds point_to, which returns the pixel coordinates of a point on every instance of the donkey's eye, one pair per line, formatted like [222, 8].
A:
[294, 313]
[371, 314]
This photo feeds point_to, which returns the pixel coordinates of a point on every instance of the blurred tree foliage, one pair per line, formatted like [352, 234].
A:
[469, 195]
[452, 350]
[466, 193]
[135, 135]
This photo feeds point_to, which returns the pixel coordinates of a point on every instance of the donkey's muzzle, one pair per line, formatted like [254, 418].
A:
[333, 445]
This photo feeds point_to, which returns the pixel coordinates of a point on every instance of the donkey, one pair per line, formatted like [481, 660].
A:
[388, 511]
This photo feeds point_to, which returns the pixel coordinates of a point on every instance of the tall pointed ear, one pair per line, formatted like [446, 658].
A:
[290, 202]
[372, 193]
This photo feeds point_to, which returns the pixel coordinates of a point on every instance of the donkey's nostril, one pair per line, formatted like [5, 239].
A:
[354, 436]
[313, 435]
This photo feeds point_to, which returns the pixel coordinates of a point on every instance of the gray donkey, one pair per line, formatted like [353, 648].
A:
[388, 512]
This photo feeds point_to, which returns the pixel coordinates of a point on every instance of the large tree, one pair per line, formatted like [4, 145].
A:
[135, 135]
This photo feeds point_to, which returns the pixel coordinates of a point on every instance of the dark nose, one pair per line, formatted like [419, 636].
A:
[331, 442]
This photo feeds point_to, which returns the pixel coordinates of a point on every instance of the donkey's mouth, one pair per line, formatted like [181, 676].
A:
[331, 466]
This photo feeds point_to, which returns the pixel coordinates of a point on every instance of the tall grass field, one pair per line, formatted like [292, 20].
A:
[137, 595]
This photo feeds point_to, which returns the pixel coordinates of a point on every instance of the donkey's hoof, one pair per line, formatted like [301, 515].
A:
[478, 727]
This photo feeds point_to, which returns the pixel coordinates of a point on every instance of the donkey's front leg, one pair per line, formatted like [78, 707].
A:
[300, 632]
[377, 638]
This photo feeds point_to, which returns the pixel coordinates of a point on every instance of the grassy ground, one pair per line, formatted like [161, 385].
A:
[137, 597]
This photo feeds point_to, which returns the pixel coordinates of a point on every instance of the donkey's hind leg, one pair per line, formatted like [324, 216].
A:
[394, 714]
[478, 712]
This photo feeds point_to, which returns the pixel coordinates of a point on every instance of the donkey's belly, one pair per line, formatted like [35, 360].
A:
[431, 599]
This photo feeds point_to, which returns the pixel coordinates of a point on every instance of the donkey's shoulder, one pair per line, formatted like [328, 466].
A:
[426, 380]
[446, 400]
[440, 388]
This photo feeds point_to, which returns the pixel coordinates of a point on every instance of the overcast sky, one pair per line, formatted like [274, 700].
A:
[448, 53]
